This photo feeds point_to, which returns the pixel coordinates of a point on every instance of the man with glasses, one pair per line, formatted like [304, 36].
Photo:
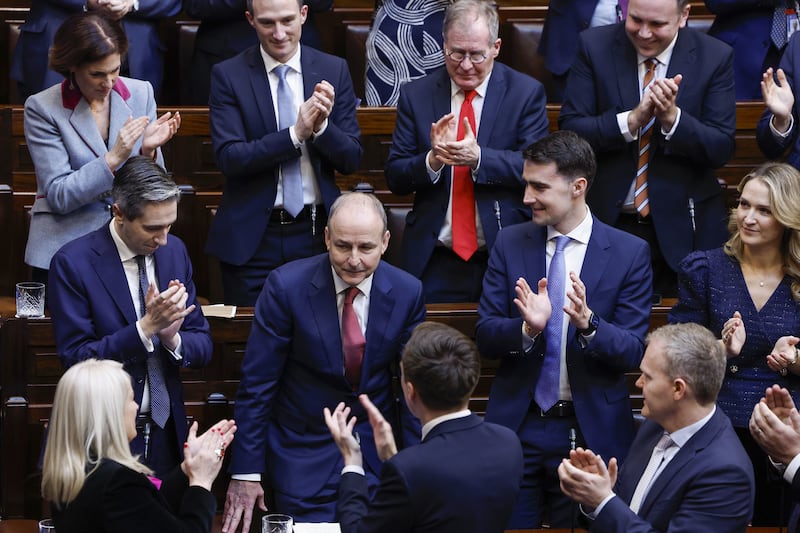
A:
[458, 146]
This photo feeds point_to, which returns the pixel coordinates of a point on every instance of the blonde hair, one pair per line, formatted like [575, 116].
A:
[87, 425]
[783, 184]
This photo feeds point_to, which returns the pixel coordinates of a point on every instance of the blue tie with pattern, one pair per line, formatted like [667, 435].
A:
[159, 396]
[290, 170]
[546, 394]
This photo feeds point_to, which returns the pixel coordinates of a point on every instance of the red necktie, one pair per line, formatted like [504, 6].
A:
[465, 238]
[640, 196]
[353, 340]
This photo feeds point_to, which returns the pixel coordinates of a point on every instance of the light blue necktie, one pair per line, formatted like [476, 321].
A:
[159, 396]
[546, 394]
[290, 170]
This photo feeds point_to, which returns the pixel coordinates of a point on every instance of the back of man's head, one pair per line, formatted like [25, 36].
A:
[692, 353]
[571, 154]
[141, 181]
[443, 364]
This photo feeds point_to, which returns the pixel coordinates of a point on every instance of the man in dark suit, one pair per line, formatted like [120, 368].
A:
[778, 130]
[224, 31]
[465, 475]
[125, 292]
[657, 143]
[775, 426]
[279, 166]
[564, 349]
[140, 19]
[298, 360]
[466, 189]
[687, 470]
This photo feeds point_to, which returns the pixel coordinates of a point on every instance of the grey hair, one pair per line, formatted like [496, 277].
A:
[366, 198]
[141, 181]
[463, 11]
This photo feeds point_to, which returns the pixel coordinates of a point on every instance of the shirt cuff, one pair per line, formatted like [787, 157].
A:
[791, 469]
[434, 175]
[774, 130]
[355, 469]
[599, 508]
[147, 342]
[322, 129]
[668, 134]
[295, 138]
[176, 353]
[246, 477]
[622, 123]
[474, 173]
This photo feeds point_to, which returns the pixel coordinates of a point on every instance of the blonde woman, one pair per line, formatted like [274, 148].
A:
[95, 484]
[748, 292]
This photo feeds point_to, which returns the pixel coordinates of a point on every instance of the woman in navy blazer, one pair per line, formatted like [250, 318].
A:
[80, 131]
[92, 480]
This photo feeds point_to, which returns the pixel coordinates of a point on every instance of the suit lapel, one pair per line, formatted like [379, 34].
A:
[83, 124]
[111, 274]
[627, 77]
[534, 261]
[321, 304]
[118, 116]
[380, 310]
[259, 84]
[441, 107]
[597, 257]
[164, 266]
[311, 74]
[684, 57]
[495, 93]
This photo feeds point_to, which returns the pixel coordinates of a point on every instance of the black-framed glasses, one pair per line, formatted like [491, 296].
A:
[476, 58]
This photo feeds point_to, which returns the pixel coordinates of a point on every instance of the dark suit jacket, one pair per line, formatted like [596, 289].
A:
[94, 316]
[618, 279]
[144, 57]
[775, 148]
[707, 486]
[603, 82]
[115, 499]
[514, 116]
[293, 368]
[249, 147]
[565, 19]
[464, 477]
[744, 25]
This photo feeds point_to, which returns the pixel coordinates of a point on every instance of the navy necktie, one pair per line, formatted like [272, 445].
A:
[546, 393]
[290, 170]
[159, 396]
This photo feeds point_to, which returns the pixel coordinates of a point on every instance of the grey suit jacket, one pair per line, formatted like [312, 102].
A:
[73, 179]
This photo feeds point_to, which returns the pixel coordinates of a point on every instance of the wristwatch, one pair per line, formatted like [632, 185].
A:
[592, 327]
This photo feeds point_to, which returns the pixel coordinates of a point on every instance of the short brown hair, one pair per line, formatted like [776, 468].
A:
[443, 364]
[84, 38]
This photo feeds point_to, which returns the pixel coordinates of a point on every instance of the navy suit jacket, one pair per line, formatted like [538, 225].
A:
[618, 279]
[565, 19]
[144, 57]
[249, 147]
[464, 477]
[94, 316]
[603, 82]
[745, 25]
[775, 148]
[294, 367]
[513, 117]
[707, 486]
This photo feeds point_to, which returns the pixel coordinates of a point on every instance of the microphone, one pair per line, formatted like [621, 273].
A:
[573, 437]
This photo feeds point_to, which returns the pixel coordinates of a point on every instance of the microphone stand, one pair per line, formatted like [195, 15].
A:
[573, 437]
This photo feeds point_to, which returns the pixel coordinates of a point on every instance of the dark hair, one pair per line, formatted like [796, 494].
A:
[300, 3]
[141, 181]
[572, 155]
[83, 38]
[443, 364]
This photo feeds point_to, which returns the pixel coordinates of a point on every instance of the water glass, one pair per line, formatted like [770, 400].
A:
[47, 526]
[277, 523]
[30, 299]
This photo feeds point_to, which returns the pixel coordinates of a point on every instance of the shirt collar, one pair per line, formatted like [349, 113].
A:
[125, 253]
[270, 62]
[665, 56]
[480, 89]
[581, 233]
[340, 285]
[682, 436]
[444, 418]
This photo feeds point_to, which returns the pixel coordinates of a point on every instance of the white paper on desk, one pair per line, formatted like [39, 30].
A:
[219, 310]
[324, 527]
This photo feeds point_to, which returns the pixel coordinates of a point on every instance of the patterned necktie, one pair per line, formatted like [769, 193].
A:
[546, 393]
[353, 340]
[640, 198]
[465, 236]
[290, 170]
[778, 31]
[159, 396]
[656, 460]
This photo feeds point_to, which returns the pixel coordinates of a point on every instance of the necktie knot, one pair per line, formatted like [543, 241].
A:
[281, 71]
[469, 95]
[650, 70]
[665, 443]
[561, 242]
[350, 294]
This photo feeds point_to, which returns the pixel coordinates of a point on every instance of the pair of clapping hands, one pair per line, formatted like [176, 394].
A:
[348, 442]
[202, 455]
[783, 356]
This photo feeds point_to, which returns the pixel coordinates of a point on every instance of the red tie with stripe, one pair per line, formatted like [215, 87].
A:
[465, 235]
[640, 197]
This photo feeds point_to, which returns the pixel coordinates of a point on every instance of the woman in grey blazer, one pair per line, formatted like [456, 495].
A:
[80, 131]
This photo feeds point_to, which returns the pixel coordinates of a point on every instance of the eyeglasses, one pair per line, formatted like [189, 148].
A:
[476, 58]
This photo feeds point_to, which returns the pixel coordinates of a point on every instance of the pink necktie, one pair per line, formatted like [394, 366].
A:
[353, 340]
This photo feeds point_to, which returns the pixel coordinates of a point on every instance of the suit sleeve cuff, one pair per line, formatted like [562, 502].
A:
[599, 508]
[791, 469]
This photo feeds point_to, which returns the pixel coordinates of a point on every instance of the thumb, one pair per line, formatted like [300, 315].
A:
[677, 79]
[737, 314]
[468, 128]
[794, 418]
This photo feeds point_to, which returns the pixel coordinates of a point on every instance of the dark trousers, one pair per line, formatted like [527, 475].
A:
[545, 442]
[449, 279]
[280, 244]
[665, 280]
[164, 451]
[773, 501]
